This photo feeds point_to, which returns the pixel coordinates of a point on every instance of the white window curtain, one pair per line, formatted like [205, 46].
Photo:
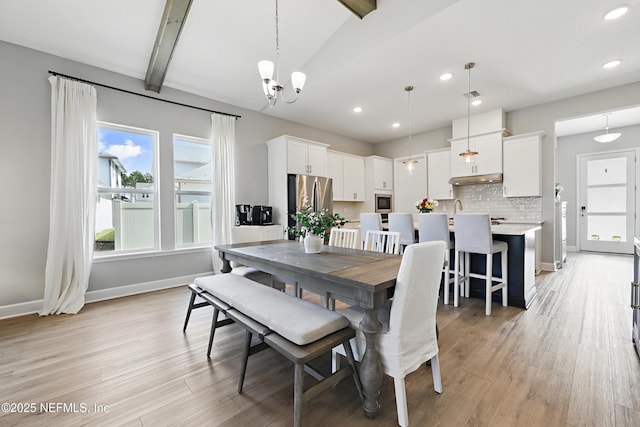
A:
[73, 195]
[223, 139]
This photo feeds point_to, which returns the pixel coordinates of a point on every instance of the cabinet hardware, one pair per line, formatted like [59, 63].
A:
[635, 295]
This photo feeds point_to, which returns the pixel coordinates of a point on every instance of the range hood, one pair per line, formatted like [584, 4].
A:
[476, 179]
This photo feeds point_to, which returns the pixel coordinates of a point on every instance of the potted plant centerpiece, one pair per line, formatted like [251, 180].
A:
[425, 205]
[314, 227]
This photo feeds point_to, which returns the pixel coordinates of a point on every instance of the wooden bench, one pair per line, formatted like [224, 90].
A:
[297, 329]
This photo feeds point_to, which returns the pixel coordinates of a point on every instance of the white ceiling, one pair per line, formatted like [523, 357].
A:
[526, 53]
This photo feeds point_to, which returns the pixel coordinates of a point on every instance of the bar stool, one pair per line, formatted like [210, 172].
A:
[369, 221]
[473, 235]
[403, 223]
[432, 227]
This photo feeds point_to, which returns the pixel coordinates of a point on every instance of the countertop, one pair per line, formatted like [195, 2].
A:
[508, 228]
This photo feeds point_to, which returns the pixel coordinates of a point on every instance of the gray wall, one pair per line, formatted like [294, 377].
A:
[569, 147]
[25, 169]
[531, 119]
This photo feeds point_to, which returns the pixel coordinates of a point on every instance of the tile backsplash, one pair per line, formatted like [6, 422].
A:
[488, 198]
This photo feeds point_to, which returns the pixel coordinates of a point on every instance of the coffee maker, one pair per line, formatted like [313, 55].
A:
[262, 215]
[243, 214]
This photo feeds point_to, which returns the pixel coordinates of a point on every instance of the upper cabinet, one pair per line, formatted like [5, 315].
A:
[438, 175]
[306, 157]
[347, 172]
[380, 171]
[489, 157]
[522, 155]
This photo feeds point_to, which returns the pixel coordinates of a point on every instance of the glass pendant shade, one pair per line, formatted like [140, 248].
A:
[266, 69]
[297, 80]
[607, 137]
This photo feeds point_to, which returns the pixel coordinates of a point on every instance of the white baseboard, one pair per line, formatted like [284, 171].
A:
[31, 307]
[549, 266]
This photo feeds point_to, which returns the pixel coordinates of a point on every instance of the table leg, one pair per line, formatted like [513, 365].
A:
[226, 265]
[370, 366]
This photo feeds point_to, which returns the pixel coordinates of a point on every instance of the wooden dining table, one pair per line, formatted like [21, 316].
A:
[350, 275]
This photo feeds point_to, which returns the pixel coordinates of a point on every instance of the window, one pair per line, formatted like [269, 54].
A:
[127, 207]
[193, 185]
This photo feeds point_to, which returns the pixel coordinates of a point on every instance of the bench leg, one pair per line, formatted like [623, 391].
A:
[245, 359]
[298, 382]
[186, 320]
[214, 323]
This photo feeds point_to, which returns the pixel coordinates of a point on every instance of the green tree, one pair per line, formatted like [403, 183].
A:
[134, 177]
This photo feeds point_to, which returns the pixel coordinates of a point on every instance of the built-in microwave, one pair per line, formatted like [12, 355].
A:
[383, 203]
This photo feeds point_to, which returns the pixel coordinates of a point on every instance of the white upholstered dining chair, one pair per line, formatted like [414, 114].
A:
[408, 337]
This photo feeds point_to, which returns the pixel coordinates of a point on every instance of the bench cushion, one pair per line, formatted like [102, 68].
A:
[299, 321]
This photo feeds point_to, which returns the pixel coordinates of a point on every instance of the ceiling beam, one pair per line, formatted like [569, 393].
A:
[173, 18]
[359, 7]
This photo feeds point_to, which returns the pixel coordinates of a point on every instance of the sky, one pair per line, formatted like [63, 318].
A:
[134, 150]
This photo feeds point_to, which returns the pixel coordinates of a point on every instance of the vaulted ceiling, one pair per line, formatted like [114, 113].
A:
[526, 53]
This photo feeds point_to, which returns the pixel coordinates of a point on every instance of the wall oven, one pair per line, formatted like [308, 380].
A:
[383, 203]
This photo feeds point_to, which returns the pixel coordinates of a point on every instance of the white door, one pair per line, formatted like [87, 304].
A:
[607, 202]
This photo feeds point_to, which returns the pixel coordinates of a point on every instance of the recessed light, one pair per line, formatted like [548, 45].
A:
[476, 102]
[396, 125]
[612, 64]
[616, 13]
[357, 109]
[446, 76]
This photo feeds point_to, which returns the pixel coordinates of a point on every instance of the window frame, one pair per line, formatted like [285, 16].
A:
[205, 142]
[154, 191]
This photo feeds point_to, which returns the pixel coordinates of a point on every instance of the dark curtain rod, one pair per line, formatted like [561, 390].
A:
[141, 94]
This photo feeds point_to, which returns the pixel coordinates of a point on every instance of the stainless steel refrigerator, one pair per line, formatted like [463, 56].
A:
[635, 295]
[303, 190]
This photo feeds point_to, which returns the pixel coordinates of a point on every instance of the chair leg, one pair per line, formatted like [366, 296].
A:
[186, 320]
[401, 401]
[298, 379]
[245, 359]
[488, 284]
[335, 361]
[467, 272]
[214, 322]
[456, 279]
[505, 276]
[435, 372]
[445, 277]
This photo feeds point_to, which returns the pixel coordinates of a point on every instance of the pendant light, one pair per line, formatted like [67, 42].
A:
[607, 137]
[468, 156]
[410, 163]
[271, 87]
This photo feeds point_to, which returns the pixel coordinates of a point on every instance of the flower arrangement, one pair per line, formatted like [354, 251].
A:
[425, 205]
[315, 222]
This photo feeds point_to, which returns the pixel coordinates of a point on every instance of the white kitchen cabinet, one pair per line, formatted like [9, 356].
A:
[522, 168]
[381, 170]
[256, 233]
[438, 175]
[489, 157]
[347, 172]
[290, 155]
[353, 178]
[409, 188]
[306, 157]
[335, 171]
[378, 179]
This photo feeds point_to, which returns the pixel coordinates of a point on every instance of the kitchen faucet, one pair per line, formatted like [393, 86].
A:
[455, 206]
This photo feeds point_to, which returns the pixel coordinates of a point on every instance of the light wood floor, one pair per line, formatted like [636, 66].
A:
[568, 360]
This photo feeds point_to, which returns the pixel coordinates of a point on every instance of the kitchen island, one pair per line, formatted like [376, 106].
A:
[521, 238]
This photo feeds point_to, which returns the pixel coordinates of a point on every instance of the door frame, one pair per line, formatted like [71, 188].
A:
[636, 222]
